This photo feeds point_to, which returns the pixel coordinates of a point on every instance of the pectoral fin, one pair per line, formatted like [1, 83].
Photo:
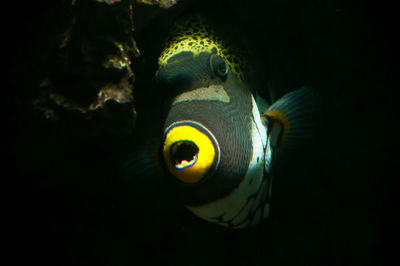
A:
[292, 118]
[140, 159]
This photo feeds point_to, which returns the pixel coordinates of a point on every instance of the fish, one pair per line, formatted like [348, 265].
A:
[219, 138]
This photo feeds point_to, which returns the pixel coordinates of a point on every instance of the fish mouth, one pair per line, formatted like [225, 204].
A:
[184, 154]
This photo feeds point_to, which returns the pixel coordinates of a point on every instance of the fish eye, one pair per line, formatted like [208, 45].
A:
[219, 65]
[189, 153]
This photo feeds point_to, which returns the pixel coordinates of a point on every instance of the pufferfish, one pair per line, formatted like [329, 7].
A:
[219, 138]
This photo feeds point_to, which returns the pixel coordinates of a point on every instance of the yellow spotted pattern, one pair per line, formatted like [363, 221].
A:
[196, 36]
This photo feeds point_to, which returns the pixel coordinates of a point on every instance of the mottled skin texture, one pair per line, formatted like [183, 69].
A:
[196, 36]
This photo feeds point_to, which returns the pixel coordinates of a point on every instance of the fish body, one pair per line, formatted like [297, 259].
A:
[218, 144]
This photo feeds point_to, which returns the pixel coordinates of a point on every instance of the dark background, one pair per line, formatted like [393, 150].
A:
[67, 204]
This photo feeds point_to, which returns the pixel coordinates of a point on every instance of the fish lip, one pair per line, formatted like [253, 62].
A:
[197, 125]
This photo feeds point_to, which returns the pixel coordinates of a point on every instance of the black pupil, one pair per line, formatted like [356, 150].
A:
[222, 67]
[183, 151]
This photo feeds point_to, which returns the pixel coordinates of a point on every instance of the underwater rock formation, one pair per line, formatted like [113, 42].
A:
[88, 70]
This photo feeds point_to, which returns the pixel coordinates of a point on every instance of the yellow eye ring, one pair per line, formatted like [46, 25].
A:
[188, 152]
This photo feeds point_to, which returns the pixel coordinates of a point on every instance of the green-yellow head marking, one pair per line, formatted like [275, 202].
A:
[194, 35]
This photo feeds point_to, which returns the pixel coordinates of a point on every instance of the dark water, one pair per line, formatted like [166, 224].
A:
[68, 205]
